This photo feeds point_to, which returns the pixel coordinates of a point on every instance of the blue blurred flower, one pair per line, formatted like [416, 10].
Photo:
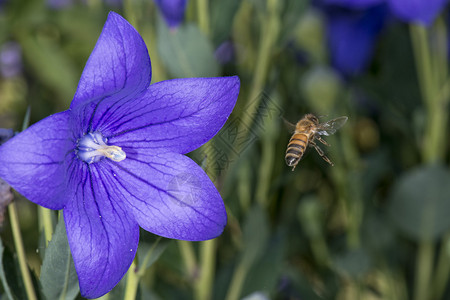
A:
[421, 11]
[5, 134]
[114, 161]
[353, 3]
[64, 4]
[172, 11]
[60, 4]
[351, 36]
[354, 25]
[10, 59]
[225, 53]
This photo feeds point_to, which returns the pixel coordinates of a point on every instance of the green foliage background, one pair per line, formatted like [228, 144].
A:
[374, 226]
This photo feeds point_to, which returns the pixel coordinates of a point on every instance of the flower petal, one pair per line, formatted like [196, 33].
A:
[103, 238]
[417, 10]
[352, 36]
[176, 115]
[119, 63]
[33, 161]
[170, 195]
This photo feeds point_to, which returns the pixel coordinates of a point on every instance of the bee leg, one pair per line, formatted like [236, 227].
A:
[322, 140]
[320, 151]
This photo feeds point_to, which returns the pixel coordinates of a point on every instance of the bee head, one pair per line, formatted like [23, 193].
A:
[312, 118]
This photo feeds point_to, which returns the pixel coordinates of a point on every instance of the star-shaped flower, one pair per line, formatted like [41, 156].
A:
[114, 160]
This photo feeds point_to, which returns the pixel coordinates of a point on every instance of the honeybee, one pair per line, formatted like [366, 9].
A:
[306, 131]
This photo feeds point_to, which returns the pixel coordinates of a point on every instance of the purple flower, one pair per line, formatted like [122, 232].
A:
[422, 11]
[60, 4]
[352, 35]
[5, 134]
[225, 53]
[10, 59]
[114, 160]
[172, 11]
[353, 3]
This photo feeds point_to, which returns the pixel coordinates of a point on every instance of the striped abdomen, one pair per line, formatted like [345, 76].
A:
[295, 149]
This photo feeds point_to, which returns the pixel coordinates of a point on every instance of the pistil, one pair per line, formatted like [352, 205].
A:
[93, 146]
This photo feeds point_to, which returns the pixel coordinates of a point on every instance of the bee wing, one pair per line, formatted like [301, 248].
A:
[289, 125]
[330, 127]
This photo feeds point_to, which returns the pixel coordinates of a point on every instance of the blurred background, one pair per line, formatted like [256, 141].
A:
[374, 226]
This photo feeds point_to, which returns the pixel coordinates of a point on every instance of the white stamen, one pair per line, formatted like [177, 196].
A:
[92, 147]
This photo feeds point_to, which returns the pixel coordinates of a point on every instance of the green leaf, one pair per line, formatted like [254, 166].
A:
[11, 276]
[265, 274]
[50, 64]
[222, 16]
[260, 5]
[4, 269]
[149, 253]
[420, 202]
[255, 235]
[354, 263]
[186, 52]
[58, 277]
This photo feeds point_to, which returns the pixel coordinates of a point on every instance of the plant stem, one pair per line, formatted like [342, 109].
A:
[443, 269]
[437, 107]
[435, 97]
[424, 266]
[132, 282]
[17, 236]
[207, 269]
[147, 258]
[266, 169]
[204, 284]
[130, 13]
[188, 255]
[134, 273]
[203, 16]
[419, 39]
[18, 242]
[269, 35]
[47, 224]
[244, 190]
[148, 33]
[237, 282]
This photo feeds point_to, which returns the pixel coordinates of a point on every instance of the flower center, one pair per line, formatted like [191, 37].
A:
[92, 147]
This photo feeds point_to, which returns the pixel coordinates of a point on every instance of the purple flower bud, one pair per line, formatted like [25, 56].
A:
[10, 59]
[172, 11]
[225, 53]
